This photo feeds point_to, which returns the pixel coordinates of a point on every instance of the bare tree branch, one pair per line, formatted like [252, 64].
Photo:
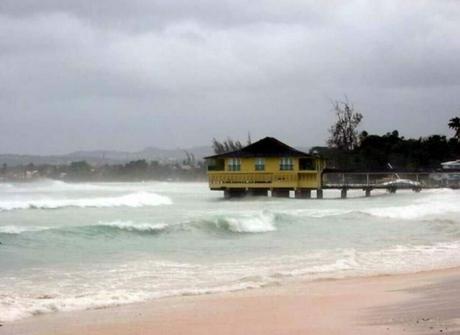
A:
[343, 133]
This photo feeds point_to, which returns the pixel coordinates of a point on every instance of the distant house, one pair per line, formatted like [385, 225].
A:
[266, 165]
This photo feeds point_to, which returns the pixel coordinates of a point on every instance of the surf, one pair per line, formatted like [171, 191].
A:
[137, 199]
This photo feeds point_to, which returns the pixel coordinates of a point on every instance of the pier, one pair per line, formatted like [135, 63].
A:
[343, 181]
[269, 167]
[388, 180]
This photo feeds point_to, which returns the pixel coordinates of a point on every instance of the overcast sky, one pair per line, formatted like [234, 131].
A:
[77, 74]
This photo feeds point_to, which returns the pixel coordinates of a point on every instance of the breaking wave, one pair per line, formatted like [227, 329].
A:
[138, 199]
[131, 226]
[15, 229]
[259, 223]
[100, 227]
[256, 223]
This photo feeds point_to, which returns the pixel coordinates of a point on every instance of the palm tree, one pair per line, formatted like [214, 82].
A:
[454, 123]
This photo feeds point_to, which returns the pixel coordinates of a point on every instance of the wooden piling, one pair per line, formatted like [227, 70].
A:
[302, 194]
[368, 192]
[319, 193]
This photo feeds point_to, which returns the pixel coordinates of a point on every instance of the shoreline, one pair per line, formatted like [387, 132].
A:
[423, 303]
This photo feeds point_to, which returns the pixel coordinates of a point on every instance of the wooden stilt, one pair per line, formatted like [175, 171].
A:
[368, 192]
[319, 193]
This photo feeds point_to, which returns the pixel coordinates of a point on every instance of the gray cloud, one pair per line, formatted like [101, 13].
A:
[124, 75]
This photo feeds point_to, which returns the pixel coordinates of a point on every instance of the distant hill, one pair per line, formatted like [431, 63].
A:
[101, 157]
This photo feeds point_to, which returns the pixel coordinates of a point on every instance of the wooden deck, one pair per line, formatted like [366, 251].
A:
[391, 181]
[280, 184]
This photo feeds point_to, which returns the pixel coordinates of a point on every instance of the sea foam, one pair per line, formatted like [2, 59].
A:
[134, 226]
[18, 229]
[146, 279]
[419, 209]
[256, 223]
[138, 199]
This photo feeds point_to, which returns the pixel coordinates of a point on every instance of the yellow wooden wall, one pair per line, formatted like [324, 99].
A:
[271, 177]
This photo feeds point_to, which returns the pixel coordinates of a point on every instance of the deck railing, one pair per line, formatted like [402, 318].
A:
[313, 179]
[386, 179]
[282, 179]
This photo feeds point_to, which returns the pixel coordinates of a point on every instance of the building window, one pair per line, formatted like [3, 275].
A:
[216, 165]
[306, 164]
[260, 164]
[234, 164]
[286, 164]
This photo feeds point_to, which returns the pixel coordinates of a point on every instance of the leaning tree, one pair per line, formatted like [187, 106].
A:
[454, 124]
[225, 146]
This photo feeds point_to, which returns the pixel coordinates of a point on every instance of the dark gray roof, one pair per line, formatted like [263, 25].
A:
[266, 147]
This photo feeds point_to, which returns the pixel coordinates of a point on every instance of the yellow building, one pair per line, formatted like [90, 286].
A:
[266, 165]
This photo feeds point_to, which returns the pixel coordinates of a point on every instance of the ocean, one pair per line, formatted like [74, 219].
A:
[92, 245]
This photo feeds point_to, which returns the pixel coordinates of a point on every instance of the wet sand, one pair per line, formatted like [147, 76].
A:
[422, 303]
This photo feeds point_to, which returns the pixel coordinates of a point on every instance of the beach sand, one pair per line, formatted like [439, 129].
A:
[422, 303]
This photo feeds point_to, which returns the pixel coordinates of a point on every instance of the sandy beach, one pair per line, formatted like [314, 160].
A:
[422, 303]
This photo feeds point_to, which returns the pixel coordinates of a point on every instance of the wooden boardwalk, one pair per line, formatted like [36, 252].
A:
[389, 180]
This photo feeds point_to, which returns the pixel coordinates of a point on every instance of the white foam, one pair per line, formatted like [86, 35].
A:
[259, 223]
[138, 199]
[316, 213]
[14, 229]
[143, 280]
[53, 186]
[421, 209]
[133, 226]
[59, 186]
[12, 308]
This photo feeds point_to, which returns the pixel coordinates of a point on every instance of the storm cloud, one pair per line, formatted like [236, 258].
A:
[130, 74]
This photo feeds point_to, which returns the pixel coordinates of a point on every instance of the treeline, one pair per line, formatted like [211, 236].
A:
[350, 150]
[139, 170]
[377, 153]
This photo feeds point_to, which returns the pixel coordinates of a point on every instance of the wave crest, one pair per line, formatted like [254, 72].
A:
[257, 223]
[131, 226]
[138, 199]
[15, 230]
